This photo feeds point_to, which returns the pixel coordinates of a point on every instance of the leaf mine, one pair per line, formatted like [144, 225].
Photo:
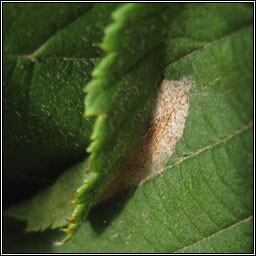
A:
[156, 146]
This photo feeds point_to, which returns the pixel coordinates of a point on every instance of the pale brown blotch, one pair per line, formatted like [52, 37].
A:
[151, 153]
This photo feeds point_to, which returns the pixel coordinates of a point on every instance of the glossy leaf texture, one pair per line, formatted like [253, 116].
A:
[203, 201]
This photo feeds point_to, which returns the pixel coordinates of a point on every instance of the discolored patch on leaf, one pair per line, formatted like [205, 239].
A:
[158, 143]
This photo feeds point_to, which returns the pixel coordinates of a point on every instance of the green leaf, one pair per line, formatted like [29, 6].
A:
[51, 207]
[207, 187]
[115, 131]
[238, 237]
[46, 65]
[203, 199]
[114, 134]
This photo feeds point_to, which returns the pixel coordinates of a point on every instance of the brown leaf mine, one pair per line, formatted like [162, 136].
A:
[156, 146]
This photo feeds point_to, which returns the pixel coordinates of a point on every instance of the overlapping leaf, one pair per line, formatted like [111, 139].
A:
[203, 200]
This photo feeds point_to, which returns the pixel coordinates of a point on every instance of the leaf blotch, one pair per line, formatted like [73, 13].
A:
[156, 146]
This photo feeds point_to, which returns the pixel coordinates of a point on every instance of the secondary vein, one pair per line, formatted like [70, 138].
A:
[182, 158]
[215, 234]
[31, 58]
[206, 45]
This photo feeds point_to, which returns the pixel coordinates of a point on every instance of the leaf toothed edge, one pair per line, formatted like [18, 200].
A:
[104, 75]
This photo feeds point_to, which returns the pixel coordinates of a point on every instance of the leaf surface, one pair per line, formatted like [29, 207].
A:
[207, 186]
[46, 65]
[203, 201]
[51, 207]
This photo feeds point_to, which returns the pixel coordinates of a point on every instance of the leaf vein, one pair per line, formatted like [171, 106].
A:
[167, 212]
[216, 233]
[58, 30]
[202, 205]
[193, 154]
[32, 58]
[186, 216]
[223, 181]
[233, 33]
